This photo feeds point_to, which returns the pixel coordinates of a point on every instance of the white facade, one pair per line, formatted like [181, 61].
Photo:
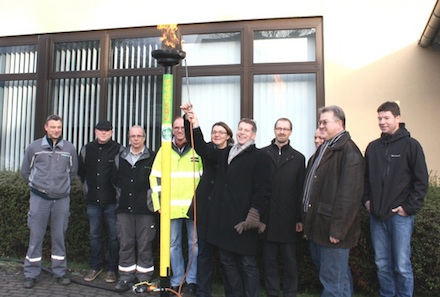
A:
[371, 50]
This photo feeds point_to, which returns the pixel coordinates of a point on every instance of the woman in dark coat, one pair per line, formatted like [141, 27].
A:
[221, 137]
[241, 191]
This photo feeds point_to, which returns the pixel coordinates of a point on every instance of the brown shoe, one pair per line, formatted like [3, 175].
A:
[110, 277]
[92, 274]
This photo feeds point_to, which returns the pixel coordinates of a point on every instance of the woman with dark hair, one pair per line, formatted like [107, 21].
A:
[221, 137]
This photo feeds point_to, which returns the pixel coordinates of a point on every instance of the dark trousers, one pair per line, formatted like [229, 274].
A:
[242, 278]
[136, 233]
[204, 268]
[272, 279]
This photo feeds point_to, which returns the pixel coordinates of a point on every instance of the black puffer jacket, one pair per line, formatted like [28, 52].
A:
[395, 174]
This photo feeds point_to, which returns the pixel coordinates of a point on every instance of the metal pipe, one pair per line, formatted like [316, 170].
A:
[431, 28]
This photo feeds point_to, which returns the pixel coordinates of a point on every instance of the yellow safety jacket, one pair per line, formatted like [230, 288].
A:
[186, 170]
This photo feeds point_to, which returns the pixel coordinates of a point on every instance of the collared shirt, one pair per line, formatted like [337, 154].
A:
[132, 158]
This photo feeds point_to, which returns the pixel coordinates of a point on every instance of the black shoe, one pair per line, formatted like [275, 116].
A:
[29, 283]
[175, 288]
[123, 286]
[64, 280]
[192, 288]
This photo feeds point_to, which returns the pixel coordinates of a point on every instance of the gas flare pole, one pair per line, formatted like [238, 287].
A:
[168, 59]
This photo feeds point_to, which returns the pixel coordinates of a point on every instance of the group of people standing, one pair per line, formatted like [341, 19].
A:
[230, 195]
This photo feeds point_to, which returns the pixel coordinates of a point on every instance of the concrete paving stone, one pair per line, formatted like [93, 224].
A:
[11, 280]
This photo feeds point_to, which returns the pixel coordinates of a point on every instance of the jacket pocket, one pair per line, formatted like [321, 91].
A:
[325, 209]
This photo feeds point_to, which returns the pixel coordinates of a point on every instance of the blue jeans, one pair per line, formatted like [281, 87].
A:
[391, 239]
[97, 214]
[177, 262]
[333, 269]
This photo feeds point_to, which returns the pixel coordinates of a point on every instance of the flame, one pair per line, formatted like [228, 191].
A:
[169, 37]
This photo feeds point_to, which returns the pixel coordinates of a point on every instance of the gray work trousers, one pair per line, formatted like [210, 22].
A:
[136, 233]
[40, 212]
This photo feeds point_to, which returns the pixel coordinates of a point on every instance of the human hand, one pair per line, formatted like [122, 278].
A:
[333, 240]
[239, 227]
[367, 205]
[400, 211]
[186, 107]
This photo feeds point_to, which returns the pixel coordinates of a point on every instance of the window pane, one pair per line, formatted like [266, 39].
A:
[292, 96]
[278, 46]
[76, 100]
[17, 115]
[212, 49]
[18, 59]
[76, 56]
[136, 100]
[134, 53]
[215, 98]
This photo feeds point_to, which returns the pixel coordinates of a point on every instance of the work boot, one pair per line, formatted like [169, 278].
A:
[64, 280]
[92, 275]
[123, 286]
[29, 282]
[110, 277]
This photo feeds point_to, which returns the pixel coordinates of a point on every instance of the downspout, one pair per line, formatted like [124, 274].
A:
[432, 27]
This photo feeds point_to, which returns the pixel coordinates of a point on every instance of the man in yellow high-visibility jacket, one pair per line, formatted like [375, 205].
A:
[186, 169]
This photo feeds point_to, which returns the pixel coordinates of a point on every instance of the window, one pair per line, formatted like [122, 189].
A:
[263, 69]
[17, 102]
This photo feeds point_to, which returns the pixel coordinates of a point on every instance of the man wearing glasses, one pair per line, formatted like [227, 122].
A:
[283, 218]
[331, 201]
[135, 224]
[186, 170]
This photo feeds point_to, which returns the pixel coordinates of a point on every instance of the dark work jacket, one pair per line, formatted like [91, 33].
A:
[284, 212]
[395, 174]
[238, 186]
[132, 183]
[95, 164]
[336, 196]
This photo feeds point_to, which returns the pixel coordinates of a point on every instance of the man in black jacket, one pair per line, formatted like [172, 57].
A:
[396, 181]
[95, 164]
[283, 217]
[135, 216]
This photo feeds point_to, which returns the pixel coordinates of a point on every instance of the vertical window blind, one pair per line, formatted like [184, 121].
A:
[17, 104]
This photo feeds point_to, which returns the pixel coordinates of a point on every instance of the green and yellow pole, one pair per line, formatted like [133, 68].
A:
[166, 58]
[165, 215]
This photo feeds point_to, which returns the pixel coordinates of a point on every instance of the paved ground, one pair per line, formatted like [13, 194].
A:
[11, 278]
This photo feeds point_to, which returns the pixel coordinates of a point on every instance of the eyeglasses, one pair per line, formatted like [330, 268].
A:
[136, 136]
[325, 122]
[282, 129]
[213, 132]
